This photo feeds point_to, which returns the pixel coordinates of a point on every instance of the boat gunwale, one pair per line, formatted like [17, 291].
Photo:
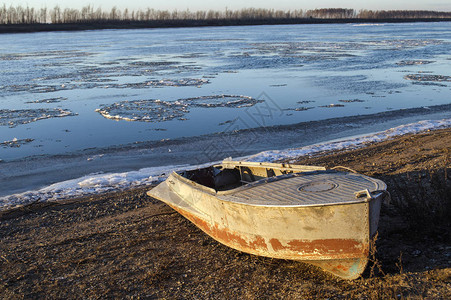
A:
[279, 166]
[217, 194]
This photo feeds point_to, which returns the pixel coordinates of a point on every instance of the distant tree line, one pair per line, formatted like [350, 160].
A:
[89, 14]
[402, 14]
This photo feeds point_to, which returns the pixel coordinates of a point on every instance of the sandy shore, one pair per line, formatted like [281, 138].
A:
[128, 245]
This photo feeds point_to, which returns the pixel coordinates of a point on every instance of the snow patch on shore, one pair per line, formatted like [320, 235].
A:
[100, 183]
[90, 184]
[349, 143]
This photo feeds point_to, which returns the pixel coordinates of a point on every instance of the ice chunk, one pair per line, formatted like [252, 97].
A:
[12, 118]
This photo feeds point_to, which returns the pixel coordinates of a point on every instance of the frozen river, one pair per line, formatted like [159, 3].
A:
[76, 103]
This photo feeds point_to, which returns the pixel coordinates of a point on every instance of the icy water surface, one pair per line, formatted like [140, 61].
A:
[73, 97]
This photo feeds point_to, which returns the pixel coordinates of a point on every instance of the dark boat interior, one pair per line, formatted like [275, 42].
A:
[222, 179]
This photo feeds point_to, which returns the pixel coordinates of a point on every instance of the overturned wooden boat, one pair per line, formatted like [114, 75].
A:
[323, 217]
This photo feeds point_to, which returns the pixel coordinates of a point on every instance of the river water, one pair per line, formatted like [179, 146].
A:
[76, 103]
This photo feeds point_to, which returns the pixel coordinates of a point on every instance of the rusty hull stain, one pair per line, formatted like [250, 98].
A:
[342, 247]
[295, 249]
[225, 236]
[344, 268]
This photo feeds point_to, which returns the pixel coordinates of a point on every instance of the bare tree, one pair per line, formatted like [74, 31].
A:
[114, 13]
[27, 15]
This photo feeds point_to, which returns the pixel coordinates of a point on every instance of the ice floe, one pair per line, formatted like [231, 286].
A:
[144, 110]
[332, 105]
[49, 100]
[302, 108]
[15, 143]
[368, 24]
[221, 101]
[414, 62]
[90, 83]
[59, 54]
[423, 77]
[357, 84]
[170, 82]
[12, 118]
[159, 110]
[351, 100]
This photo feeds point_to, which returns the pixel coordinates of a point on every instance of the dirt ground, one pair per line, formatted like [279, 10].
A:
[127, 245]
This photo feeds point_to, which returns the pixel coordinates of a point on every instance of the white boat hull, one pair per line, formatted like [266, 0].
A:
[334, 237]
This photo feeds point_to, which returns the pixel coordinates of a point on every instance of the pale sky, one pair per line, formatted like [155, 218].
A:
[441, 5]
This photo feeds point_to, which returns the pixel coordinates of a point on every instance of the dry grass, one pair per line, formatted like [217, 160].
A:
[425, 198]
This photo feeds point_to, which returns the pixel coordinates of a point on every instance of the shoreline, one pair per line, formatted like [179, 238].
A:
[316, 158]
[134, 164]
[38, 27]
[126, 244]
